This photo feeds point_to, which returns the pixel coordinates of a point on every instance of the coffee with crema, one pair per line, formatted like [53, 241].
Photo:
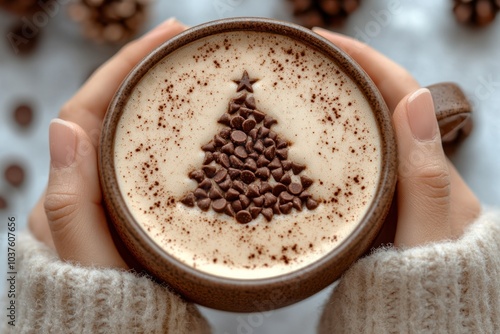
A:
[247, 154]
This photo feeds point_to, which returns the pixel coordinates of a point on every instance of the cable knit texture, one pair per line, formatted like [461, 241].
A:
[447, 287]
[58, 297]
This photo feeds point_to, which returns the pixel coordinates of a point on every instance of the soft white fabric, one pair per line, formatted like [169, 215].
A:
[58, 297]
[447, 287]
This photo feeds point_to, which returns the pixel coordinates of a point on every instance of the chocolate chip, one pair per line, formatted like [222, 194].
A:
[253, 134]
[253, 155]
[268, 142]
[286, 208]
[250, 164]
[265, 187]
[297, 203]
[277, 174]
[237, 122]
[219, 141]
[263, 132]
[263, 173]
[209, 170]
[240, 98]
[244, 217]
[286, 164]
[235, 162]
[278, 189]
[255, 211]
[270, 152]
[228, 148]
[276, 163]
[219, 205]
[245, 201]
[189, 199]
[226, 184]
[223, 160]
[238, 137]
[225, 119]
[267, 213]
[262, 161]
[209, 157]
[258, 115]
[200, 193]
[311, 204]
[197, 175]
[239, 186]
[220, 175]
[233, 107]
[259, 146]
[304, 195]
[232, 194]
[229, 211]
[237, 206]
[306, 181]
[224, 133]
[205, 184]
[248, 125]
[269, 199]
[240, 152]
[282, 153]
[286, 179]
[247, 176]
[276, 208]
[14, 174]
[234, 173]
[253, 190]
[210, 147]
[23, 115]
[286, 197]
[249, 145]
[269, 121]
[204, 204]
[245, 112]
[259, 201]
[295, 188]
[250, 102]
[297, 168]
[273, 135]
[281, 143]
[215, 193]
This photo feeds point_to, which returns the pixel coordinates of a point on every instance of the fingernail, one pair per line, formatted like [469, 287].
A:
[62, 138]
[421, 115]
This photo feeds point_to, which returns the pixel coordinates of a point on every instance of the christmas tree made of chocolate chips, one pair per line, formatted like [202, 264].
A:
[246, 171]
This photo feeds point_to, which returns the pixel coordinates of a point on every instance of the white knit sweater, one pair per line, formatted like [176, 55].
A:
[448, 287]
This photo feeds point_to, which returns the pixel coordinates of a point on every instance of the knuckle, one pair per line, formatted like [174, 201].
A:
[60, 208]
[433, 181]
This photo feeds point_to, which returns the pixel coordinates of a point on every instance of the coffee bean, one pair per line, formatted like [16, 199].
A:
[286, 179]
[269, 121]
[219, 205]
[248, 125]
[225, 119]
[244, 217]
[237, 122]
[200, 193]
[250, 164]
[311, 204]
[255, 211]
[267, 213]
[240, 152]
[23, 115]
[278, 189]
[228, 148]
[238, 137]
[263, 173]
[295, 188]
[204, 204]
[247, 176]
[14, 174]
[189, 199]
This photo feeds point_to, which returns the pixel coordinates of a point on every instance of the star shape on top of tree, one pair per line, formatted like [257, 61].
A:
[245, 83]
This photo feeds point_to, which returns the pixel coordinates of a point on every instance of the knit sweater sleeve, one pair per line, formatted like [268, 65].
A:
[447, 287]
[58, 297]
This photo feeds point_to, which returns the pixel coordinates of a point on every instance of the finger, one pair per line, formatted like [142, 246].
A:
[423, 174]
[38, 224]
[88, 106]
[465, 206]
[73, 200]
[393, 81]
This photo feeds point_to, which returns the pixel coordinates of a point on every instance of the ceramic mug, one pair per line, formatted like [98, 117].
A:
[262, 293]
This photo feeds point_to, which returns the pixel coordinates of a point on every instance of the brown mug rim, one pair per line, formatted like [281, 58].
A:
[367, 227]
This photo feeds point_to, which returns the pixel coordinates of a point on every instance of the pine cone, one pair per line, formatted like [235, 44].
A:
[23, 7]
[476, 12]
[109, 21]
[323, 13]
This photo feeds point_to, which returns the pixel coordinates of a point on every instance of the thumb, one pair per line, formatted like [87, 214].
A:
[423, 175]
[73, 200]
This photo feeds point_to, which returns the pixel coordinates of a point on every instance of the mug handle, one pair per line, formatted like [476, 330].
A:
[453, 111]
